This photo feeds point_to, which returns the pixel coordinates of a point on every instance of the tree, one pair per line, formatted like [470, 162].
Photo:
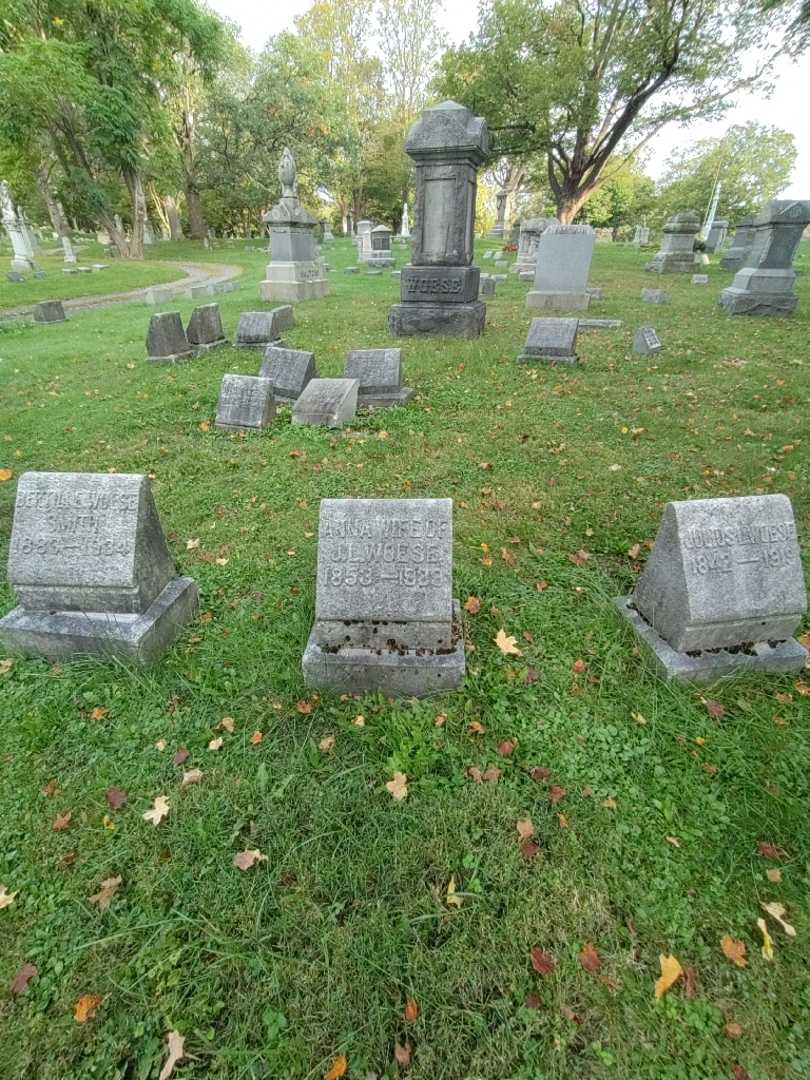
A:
[411, 42]
[753, 162]
[587, 83]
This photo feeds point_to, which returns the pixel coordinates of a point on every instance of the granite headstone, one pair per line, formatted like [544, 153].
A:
[563, 262]
[204, 330]
[288, 370]
[49, 311]
[166, 341]
[326, 403]
[765, 284]
[245, 403]
[379, 375]
[676, 254]
[551, 341]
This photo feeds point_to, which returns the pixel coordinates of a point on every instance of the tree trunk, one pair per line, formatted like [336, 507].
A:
[134, 182]
[570, 201]
[173, 215]
[55, 212]
[198, 226]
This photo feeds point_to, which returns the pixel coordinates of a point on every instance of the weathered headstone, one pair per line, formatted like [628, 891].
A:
[166, 341]
[245, 403]
[49, 311]
[22, 257]
[499, 227]
[764, 285]
[326, 403]
[654, 296]
[380, 254]
[258, 329]
[204, 330]
[645, 340]
[723, 589]
[39, 275]
[741, 245]
[15, 276]
[379, 375]
[531, 229]
[363, 240]
[599, 324]
[156, 295]
[717, 235]
[676, 254]
[641, 235]
[700, 279]
[295, 270]
[563, 262]
[488, 285]
[551, 341]
[288, 371]
[405, 225]
[439, 288]
[91, 569]
[385, 616]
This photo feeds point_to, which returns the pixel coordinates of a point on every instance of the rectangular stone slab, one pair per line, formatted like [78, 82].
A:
[377, 370]
[245, 402]
[645, 340]
[326, 402]
[87, 542]
[439, 284]
[551, 339]
[289, 371]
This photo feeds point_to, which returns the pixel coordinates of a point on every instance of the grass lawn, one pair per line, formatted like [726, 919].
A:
[648, 820]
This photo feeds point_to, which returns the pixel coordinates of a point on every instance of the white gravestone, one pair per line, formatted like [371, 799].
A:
[564, 255]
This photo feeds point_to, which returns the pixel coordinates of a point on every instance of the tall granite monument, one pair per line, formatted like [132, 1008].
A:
[296, 270]
[764, 284]
[439, 287]
[677, 252]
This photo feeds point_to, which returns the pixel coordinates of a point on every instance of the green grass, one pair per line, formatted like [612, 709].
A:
[271, 973]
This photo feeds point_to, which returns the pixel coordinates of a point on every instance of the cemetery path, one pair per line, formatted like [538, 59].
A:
[195, 274]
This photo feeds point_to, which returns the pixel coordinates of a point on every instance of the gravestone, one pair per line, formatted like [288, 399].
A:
[379, 376]
[700, 279]
[676, 254]
[641, 235]
[258, 329]
[488, 285]
[654, 296]
[764, 286]
[22, 257]
[439, 287]
[245, 403]
[327, 231]
[563, 262]
[645, 340]
[723, 589]
[295, 270]
[741, 245]
[498, 229]
[91, 569]
[531, 229]
[288, 371]
[717, 235]
[380, 254]
[15, 276]
[551, 341]
[599, 324]
[326, 403]
[405, 225]
[351, 269]
[166, 341]
[155, 295]
[385, 616]
[49, 311]
[39, 275]
[204, 330]
[363, 240]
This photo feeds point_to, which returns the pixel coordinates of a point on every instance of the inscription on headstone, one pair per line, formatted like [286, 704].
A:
[245, 402]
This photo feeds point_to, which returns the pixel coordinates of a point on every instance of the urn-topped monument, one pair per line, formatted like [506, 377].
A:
[439, 287]
[295, 270]
[764, 283]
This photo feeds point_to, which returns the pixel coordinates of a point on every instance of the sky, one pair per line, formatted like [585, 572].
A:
[259, 20]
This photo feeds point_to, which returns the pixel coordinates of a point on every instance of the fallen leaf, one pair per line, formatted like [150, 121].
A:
[440, 719]
[62, 821]
[767, 941]
[638, 718]
[160, 745]
[20, 982]
[732, 1030]
[714, 708]
[191, 776]
[304, 707]
[802, 688]
[673, 840]
[475, 727]
[539, 773]
[6, 898]
[216, 743]
[671, 971]
[529, 848]
[734, 950]
[507, 645]
[398, 786]
[784, 699]
[227, 724]
[411, 1010]
[204, 426]
[777, 911]
[6, 664]
[117, 798]
[244, 860]
[402, 1052]
[50, 789]
[579, 558]
[472, 604]
[491, 775]
[590, 959]
[689, 981]
[175, 1046]
[770, 851]
[452, 899]
[180, 756]
[108, 823]
[340, 1064]
[579, 666]
[774, 874]
[563, 820]
[98, 713]
[531, 676]
[326, 743]
[568, 1013]
[738, 1072]
[555, 793]
[533, 1001]
[525, 828]
[5, 474]
[108, 889]
[542, 963]
[505, 747]
[610, 804]
[159, 810]
[85, 1008]
[192, 544]
[256, 738]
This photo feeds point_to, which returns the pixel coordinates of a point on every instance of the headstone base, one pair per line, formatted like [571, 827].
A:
[384, 260]
[209, 345]
[437, 320]
[674, 263]
[174, 358]
[294, 281]
[384, 401]
[60, 635]
[557, 301]
[760, 292]
[353, 670]
[530, 358]
[710, 665]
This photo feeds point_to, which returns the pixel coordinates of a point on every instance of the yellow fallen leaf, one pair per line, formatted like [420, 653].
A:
[227, 723]
[6, 665]
[507, 644]
[85, 1008]
[734, 950]
[327, 743]
[160, 745]
[158, 811]
[337, 1069]
[175, 1044]
[398, 786]
[193, 543]
[5, 474]
[216, 743]
[767, 941]
[777, 912]
[205, 425]
[98, 713]
[6, 898]
[525, 828]
[671, 971]
[774, 875]
[453, 899]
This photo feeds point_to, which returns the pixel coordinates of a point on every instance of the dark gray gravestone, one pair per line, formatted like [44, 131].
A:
[723, 589]
[289, 371]
[654, 296]
[258, 329]
[245, 403]
[385, 617]
[379, 373]
[49, 311]
[204, 330]
[15, 277]
[550, 341]
[327, 403]
[764, 285]
[91, 570]
[40, 275]
[645, 340]
[166, 341]
[488, 285]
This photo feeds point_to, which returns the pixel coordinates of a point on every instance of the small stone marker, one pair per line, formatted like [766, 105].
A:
[488, 285]
[645, 340]
[551, 341]
[723, 589]
[245, 403]
[385, 617]
[351, 269]
[599, 324]
[166, 341]
[91, 569]
[204, 330]
[49, 311]
[327, 403]
[700, 279]
[155, 295]
[40, 275]
[379, 374]
[288, 370]
[654, 296]
[258, 329]
[14, 276]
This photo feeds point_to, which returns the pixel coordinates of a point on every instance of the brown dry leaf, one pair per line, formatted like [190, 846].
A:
[491, 775]
[590, 959]
[108, 889]
[767, 941]
[579, 558]
[193, 543]
[770, 851]
[402, 1052]
[160, 745]
[62, 821]
[689, 981]
[204, 426]
[610, 804]
[533, 1001]
[738, 1072]
[734, 950]
[539, 773]
[398, 786]
[568, 1013]
[98, 713]
[579, 667]
[529, 848]
[774, 874]
[555, 793]
[85, 1008]
[191, 776]
[20, 982]
[244, 860]
[327, 743]
[784, 699]
[671, 971]
[531, 676]
[506, 746]
[6, 664]
[732, 1030]
[338, 1067]
[804, 639]
[475, 727]
[6, 898]
[507, 644]
[411, 1010]
[525, 828]
[714, 708]
[673, 840]
[304, 707]
[216, 743]
[472, 604]
[175, 1047]
[227, 723]
[777, 911]
[180, 756]
[116, 797]
[256, 738]
[634, 551]
[542, 963]
[360, 721]
[50, 789]
[563, 820]
[159, 810]
[452, 898]
[440, 719]
[802, 688]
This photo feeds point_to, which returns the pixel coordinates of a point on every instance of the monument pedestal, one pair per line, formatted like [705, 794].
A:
[294, 281]
[760, 292]
[441, 320]
[557, 301]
